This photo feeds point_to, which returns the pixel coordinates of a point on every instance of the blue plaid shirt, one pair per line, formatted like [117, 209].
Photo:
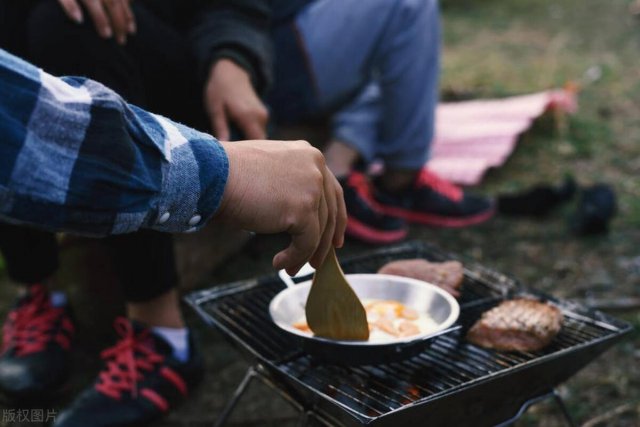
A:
[75, 157]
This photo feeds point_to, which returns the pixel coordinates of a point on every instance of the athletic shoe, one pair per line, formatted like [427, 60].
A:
[36, 343]
[433, 201]
[140, 382]
[365, 220]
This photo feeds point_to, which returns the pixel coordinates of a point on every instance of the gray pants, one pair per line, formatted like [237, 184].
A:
[374, 65]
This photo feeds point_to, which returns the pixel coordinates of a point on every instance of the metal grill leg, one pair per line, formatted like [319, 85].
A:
[231, 404]
[563, 408]
[258, 372]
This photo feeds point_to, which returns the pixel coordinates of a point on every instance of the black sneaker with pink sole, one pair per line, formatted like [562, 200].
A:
[140, 382]
[36, 343]
[365, 220]
[433, 201]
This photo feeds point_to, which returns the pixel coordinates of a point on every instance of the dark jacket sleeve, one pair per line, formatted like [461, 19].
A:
[238, 30]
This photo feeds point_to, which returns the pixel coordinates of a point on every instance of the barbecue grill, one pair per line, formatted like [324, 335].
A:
[452, 383]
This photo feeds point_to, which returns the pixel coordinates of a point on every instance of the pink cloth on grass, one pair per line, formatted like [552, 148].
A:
[473, 136]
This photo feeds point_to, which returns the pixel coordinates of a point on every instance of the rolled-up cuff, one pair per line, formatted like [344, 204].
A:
[194, 178]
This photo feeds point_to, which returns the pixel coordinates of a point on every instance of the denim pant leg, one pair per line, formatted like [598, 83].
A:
[383, 56]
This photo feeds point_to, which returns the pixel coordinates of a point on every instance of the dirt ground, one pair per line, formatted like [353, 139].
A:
[496, 48]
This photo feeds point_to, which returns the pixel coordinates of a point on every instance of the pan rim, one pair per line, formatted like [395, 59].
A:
[442, 327]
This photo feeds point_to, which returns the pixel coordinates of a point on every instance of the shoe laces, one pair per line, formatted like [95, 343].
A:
[32, 325]
[362, 186]
[427, 178]
[127, 361]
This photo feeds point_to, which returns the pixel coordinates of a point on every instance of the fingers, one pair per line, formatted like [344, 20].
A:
[131, 20]
[303, 244]
[332, 210]
[99, 17]
[327, 224]
[121, 18]
[72, 10]
[252, 121]
[219, 123]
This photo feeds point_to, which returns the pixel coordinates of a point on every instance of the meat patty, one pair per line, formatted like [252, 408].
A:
[447, 275]
[517, 325]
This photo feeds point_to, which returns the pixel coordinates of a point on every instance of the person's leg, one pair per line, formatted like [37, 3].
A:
[374, 67]
[392, 43]
[144, 262]
[154, 69]
[391, 50]
[31, 256]
[38, 331]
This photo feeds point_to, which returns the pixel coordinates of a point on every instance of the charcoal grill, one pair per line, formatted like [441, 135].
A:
[453, 383]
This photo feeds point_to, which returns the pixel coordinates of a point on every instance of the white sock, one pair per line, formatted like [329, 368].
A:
[58, 299]
[178, 338]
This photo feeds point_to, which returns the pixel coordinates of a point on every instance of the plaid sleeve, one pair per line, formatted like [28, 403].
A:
[75, 157]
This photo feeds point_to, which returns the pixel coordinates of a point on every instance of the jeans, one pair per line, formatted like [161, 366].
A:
[372, 66]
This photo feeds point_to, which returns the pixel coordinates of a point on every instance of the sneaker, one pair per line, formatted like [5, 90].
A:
[433, 201]
[365, 220]
[35, 358]
[140, 382]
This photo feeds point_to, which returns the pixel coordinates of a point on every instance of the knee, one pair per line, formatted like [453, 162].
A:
[51, 35]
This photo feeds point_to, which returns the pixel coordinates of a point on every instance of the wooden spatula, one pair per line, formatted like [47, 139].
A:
[333, 309]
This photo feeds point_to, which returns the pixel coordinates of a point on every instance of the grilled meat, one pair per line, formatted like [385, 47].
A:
[447, 275]
[517, 325]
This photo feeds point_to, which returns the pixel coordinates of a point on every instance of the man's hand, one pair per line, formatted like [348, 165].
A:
[109, 16]
[277, 186]
[230, 97]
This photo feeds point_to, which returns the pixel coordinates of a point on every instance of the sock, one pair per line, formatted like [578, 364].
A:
[58, 299]
[178, 339]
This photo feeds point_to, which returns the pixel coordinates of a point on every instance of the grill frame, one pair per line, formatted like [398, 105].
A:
[500, 387]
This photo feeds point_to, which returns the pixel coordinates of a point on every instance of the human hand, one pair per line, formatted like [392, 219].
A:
[229, 96]
[285, 186]
[109, 16]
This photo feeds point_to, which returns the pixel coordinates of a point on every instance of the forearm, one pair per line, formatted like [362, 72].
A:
[75, 157]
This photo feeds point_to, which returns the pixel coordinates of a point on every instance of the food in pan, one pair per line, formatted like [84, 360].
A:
[447, 275]
[517, 325]
[389, 320]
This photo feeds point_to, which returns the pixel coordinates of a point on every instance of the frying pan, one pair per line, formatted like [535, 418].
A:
[287, 308]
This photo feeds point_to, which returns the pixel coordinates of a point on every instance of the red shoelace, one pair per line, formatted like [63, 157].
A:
[363, 187]
[32, 325]
[127, 361]
[433, 181]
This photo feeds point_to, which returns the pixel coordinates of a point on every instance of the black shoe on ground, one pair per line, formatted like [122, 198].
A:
[365, 220]
[433, 201]
[36, 343]
[140, 382]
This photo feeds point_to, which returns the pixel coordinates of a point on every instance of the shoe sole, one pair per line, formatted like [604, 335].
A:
[360, 231]
[438, 220]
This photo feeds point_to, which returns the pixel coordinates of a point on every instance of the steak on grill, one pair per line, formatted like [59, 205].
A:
[447, 275]
[517, 325]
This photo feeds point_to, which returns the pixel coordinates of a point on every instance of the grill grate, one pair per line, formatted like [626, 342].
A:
[450, 365]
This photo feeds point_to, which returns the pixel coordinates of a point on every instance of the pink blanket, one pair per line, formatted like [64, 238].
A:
[473, 136]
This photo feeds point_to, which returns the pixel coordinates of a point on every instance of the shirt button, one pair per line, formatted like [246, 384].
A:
[195, 220]
[164, 218]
